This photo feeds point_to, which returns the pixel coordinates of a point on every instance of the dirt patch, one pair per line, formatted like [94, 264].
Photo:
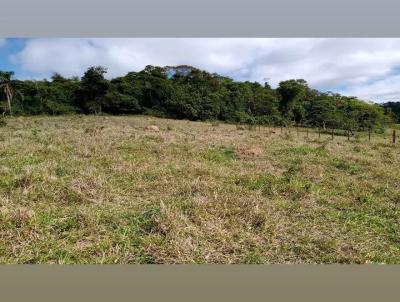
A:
[152, 128]
[83, 244]
[313, 172]
[169, 138]
[245, 152]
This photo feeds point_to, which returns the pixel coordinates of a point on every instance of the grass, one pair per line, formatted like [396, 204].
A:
[87, 189]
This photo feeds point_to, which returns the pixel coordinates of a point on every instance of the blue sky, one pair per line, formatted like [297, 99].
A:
[7, 48]
[366, 68]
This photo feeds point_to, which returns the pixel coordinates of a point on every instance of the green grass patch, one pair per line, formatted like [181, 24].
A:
[346, 166]
[221, 155]
[305, 149]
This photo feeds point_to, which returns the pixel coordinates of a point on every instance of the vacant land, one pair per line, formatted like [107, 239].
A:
[86, 189]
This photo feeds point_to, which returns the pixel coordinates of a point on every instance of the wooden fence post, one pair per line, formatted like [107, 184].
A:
[394, 136]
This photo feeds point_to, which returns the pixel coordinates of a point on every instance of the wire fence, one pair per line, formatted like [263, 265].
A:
[391, 135]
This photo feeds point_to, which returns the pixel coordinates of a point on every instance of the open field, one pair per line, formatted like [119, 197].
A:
[87, 189]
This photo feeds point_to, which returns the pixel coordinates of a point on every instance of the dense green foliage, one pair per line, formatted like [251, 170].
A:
[184, 92]
[393, 108]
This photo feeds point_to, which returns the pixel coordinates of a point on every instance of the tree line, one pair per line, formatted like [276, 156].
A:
[394, 109]
[185, 92]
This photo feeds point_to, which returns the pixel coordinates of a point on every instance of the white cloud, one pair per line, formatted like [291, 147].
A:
[387, 89]
[364, 66]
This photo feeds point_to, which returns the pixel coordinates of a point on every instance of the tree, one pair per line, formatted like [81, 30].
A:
[293, 94]
[322, 112]
[7, 86]
[156, 88]
[93, 88]
[186, 92]
[393, 108]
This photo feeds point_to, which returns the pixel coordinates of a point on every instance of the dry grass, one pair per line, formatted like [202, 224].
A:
[84, 189]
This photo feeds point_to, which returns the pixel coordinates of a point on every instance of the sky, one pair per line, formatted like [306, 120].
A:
[362, 67]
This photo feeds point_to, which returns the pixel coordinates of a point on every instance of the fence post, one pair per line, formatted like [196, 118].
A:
[348, 135]
[332, 133]
[394, 136]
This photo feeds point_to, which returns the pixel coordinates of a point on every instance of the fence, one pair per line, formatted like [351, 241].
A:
[347, 133]
[393, 137]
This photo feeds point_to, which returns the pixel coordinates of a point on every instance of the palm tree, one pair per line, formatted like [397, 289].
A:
[6, 84]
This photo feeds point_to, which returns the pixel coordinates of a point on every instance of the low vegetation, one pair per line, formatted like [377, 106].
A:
[108, 189]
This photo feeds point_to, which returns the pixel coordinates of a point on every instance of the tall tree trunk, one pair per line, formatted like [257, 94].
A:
[9, 97]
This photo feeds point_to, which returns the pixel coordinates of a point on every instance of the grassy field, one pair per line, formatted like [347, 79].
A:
[86, 189]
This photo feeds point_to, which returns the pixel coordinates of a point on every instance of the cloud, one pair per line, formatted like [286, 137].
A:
[387, 89]
[364, 67]
[73, 56]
